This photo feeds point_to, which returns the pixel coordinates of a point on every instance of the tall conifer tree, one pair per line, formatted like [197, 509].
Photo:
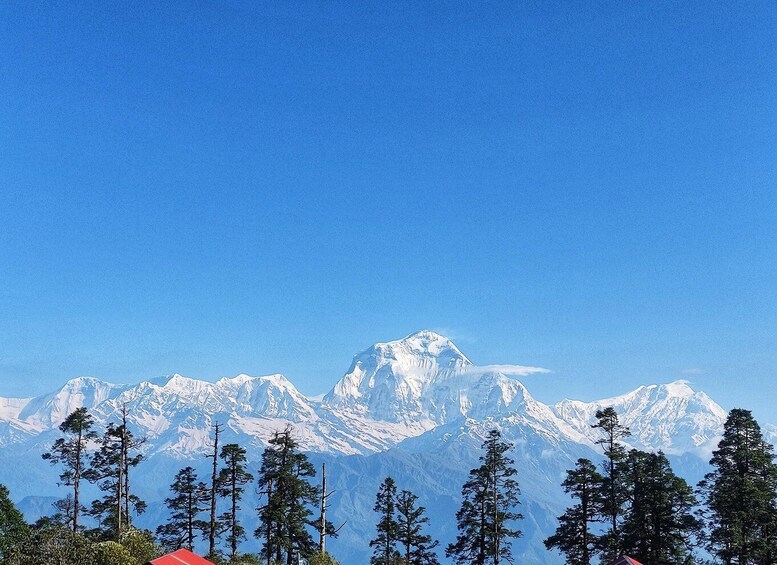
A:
[71, 452]
[659, 526]
[231, 482]
[417, 547]
[110, 468]
[288, 497]
[741, 495]
[614, 488]
[574, 536]
[190, 499]
[385, 542]
[490, 497]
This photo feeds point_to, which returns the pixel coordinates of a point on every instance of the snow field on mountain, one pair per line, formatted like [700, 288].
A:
[417, 409]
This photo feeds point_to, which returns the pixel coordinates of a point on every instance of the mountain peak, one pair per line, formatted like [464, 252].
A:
[80, 382]
[672, 417]
[389, 380]
[425, 343]
[186, 386]
[679, 388]
[51, 409]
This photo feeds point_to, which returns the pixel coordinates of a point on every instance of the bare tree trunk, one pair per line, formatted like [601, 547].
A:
[214, 480]
[322, 528]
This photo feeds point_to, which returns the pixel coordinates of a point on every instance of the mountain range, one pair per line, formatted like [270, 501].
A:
[416, 409]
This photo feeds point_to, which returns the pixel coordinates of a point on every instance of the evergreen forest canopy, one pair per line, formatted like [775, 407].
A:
[633, 504]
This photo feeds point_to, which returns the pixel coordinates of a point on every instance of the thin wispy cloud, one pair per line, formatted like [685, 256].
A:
[511, 370]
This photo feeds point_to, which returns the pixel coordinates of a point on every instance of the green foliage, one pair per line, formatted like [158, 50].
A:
[112, 553]
[110, 467]
[55, 544]
[411, 519]
[614, 488]
[288, 495]
[322, 559]
[51, 544]
[140, 544]
[190, 498]
[659, 525]
[741, 494]
[70, 452]
[573, 536]
[648, 508]
[13, 528]
[231, 484]
[384, 544]
[490, 496]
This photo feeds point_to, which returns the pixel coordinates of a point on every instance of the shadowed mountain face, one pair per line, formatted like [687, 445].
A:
[416, 409]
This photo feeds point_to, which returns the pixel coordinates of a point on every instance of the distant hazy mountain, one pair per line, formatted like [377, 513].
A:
[416, 409]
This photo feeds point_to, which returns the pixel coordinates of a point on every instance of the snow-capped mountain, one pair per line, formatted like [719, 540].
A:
[50, 410]
[423, 381]
[415, 408]
[392, 381]
[671, 417]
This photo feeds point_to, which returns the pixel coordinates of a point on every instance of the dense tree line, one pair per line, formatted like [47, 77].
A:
[637, 506]
[288, 500]
[632, 504]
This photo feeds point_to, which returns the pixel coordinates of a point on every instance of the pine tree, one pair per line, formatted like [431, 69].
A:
[411, 520]
[110, 469]
[490, 496]
[71, 452]
[659, 525]
[231, 482]
[189, 501]
[385, 542]
[13, 528]
[574, 537]
[288, 495]
[740, 495]
[614, 487]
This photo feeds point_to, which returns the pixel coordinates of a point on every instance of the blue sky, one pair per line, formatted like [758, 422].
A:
[259, 187]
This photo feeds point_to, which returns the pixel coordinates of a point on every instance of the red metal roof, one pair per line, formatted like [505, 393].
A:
[181, 557]
[625, 560]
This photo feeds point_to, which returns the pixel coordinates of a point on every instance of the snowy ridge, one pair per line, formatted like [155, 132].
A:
[416, 408]
[48, 411]
[671, 417]
[423, 378]
[392, 392]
